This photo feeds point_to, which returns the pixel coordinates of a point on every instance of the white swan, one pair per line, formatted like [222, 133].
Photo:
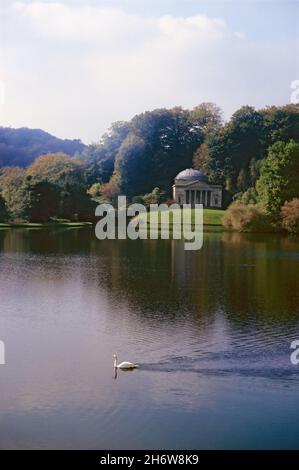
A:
[124, 365]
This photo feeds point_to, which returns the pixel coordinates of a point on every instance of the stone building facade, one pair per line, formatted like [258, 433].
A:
[192, 187]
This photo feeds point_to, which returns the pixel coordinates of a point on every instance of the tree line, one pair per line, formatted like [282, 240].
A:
[248, 155]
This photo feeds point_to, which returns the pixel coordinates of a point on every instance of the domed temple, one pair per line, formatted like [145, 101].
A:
[192, 187]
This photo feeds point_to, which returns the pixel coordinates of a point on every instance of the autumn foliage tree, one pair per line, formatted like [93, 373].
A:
[66, 180]
[54, 186]
[14, 192]
[290, 215]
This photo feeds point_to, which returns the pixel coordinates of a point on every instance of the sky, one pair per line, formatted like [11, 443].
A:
[72, 67]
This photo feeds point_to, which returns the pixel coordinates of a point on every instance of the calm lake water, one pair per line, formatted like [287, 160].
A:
[211, 331]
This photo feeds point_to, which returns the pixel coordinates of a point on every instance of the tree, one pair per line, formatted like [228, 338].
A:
[43, 201]
[232, 148]
[3, 211]
[131, 167]
[245, 132]
[242, 180]
[68, 175]
[14, 192]
[161, 143]
[58, 168]
[254, 171]
[280, 123]
[279, 180]
[109, 191]
[201, 158]
[100, 158]
[235, 151]
[206, 117]
[156, 196]
[218, 165]
[290, 216]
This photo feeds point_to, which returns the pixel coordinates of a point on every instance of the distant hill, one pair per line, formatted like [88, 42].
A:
[19, 147]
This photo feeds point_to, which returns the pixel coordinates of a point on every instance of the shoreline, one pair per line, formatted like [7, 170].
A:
[4, 225]
[208, 227]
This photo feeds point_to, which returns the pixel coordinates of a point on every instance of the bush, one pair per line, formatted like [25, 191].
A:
[155, 197]
[170, 201]
[290, 216]
[247, 218]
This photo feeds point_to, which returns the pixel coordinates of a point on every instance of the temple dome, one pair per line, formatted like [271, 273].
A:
[191, 175]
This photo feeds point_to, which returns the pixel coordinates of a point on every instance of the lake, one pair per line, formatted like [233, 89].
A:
[211, 331]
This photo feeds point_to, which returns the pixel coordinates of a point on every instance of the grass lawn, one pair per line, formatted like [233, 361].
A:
[210, 217]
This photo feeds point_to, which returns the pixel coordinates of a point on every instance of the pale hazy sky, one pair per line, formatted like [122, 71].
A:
[72, 67]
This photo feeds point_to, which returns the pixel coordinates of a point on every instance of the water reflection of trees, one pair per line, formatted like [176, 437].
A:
[261, 277]
[245, 276]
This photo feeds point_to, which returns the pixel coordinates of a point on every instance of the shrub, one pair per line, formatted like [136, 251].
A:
[290, 216]
[170, 201]
[247, 218]
[155, 197]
